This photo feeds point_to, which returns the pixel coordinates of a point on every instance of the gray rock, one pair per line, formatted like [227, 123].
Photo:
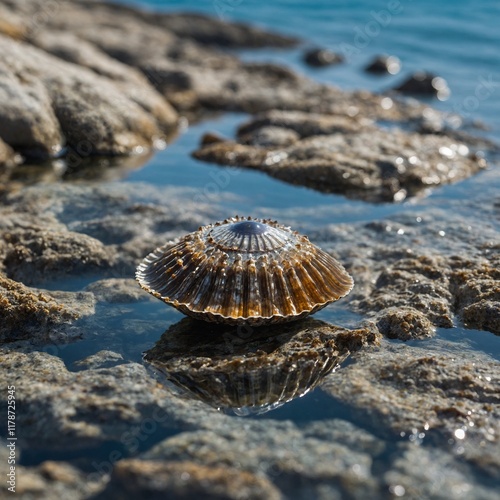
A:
[417, 472]
[40, 255]
[8, 160]
[51, 480]
[80, 410]
[322, 57]
[384, 65]
[300, 466]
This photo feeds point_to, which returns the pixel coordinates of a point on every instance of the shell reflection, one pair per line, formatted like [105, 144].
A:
[245, 370]
[244, 270]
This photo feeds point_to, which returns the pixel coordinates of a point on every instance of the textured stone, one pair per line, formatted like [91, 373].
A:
[28, 313]
[322, 57]
[51, 480]
[60, 409]
[8, 158]
[347, 156]
[93, 113]
[35, 256]
[425, 83]
[449, 397]
[301, 466]
[184, 480]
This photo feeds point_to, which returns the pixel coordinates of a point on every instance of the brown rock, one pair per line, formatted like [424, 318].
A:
[347, 156]
[445, 396]
[184, 480]
[91, 111]
[33, 314]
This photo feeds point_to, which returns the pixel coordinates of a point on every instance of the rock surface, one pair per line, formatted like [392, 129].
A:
[184, 480]
[418, 420]
[447, 399]
[322, 57]
[76, 54]
[91, 112]
[28, 313]
[349, 156]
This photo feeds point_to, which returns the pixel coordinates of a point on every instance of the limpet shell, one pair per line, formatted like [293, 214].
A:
[244, 271]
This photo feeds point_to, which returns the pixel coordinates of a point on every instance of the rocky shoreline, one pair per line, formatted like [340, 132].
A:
[89, 80]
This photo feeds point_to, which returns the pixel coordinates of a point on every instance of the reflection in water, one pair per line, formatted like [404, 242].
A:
[90, 168]
[246, 370]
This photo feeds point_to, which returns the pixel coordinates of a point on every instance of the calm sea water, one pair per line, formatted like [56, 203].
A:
[457, 39]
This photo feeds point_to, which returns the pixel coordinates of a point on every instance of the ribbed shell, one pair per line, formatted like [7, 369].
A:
[244, 270]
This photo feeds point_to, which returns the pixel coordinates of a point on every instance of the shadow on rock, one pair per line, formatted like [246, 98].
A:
[246, 370]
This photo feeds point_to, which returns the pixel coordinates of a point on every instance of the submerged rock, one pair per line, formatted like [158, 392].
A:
[349, 156]
[423, 83]
[384, 64]
[322, 57]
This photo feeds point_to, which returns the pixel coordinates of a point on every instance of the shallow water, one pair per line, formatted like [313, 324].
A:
[455, 39]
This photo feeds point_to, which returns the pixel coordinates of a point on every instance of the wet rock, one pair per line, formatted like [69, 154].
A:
[38, 255]
[347, 156]
[27, 121]
[418, 472]
[80, 410]
[117, 290]
[171, 50]
[451, 399]
[93, 113]
[50, 480]
[404, 323]
[427, 84]
[184, 480]
[8, 160]
[212, 138]
[28, 313]
[248, 370]
[101, 359]
[477, 291]
[322, 57]
[384, 65]
[268, 137]
[300, 465]
[435, 289]
[49, 231]
[304, 124]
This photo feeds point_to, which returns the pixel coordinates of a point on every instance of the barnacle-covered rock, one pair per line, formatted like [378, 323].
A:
[244, 270]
